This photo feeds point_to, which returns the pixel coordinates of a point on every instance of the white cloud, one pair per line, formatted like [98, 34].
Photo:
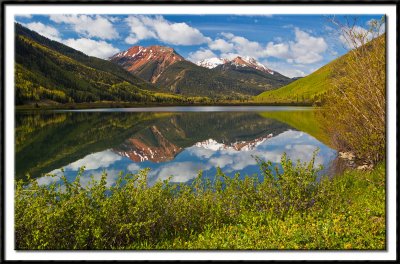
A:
[280, 50]
[201, 55]
[100, 49]
[94, 161]
[200, 152]
[49, 178]
[111, 178]
[133, 167]
[290, 71]
[227, 35]
[47, 31]
[24, 15]
[146, 27]
[229, 55]
[245, 47]
[181, 171]
[90, 26]
[356, 36]
[221, 45]
[307, 49]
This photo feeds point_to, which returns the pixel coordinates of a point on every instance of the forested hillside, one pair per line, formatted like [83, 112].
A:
[49, 72]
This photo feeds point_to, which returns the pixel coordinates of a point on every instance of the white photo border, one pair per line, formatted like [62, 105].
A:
[12, 9]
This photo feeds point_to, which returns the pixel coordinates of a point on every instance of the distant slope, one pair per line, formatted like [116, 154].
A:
[307, 89]
[48, 71]
[252, 78]
[184, 77]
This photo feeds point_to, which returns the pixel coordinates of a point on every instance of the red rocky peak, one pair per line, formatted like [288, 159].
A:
[137, 56]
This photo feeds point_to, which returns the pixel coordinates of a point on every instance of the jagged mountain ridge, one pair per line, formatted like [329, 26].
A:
[238, 61]
[147, 62]
[170, 72]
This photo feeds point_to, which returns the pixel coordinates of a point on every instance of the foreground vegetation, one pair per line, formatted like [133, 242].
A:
[292, 210]
[355, 107]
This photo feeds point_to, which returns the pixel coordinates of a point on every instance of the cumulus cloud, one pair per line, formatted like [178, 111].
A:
[243, 46]
[280, 50]
[304, 49]
[90, 26]
[181, 171]
[147, 27]
[51, 177]
[288, 71]
[44, 30]
[100, 49]
[221, 45]
[307, 49]
[95, 176]
[201, 55]
[94, 161]
[24, 15]
[133, 167]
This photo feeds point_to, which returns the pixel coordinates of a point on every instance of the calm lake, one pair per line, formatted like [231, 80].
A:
[171, 141]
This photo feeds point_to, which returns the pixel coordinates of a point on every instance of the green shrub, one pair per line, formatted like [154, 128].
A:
[289, 209]
[355, 106]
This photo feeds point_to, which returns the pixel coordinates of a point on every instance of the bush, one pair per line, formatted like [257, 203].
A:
[355, 106]
[271, 212]
[70, 216]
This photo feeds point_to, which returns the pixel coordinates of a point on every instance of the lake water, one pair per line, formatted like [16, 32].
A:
[171, 141]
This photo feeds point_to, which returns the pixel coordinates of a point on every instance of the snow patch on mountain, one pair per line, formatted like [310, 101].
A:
[211, 63]
[238, 62]
[213, 145]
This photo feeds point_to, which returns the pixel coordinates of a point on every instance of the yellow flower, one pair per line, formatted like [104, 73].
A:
[347, 245]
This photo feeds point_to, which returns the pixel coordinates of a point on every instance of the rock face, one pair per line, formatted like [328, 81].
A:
[150, 61]
[162, 150]
[170, 72]
[238, 62]
[139, 149]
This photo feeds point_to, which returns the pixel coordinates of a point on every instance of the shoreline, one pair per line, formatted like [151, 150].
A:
[96, 105]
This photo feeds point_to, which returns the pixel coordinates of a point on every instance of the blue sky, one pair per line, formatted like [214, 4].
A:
[294, 45]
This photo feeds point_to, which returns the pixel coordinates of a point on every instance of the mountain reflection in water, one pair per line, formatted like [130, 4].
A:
[170, 144]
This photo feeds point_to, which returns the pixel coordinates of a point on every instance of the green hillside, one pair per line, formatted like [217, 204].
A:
[48, 72]
[187, 78]
[307, 89]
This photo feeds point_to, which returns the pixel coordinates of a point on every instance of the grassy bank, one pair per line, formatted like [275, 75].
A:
[289, 211]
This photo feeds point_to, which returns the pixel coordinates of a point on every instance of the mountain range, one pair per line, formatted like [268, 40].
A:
[49, 72]
[170, 72]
